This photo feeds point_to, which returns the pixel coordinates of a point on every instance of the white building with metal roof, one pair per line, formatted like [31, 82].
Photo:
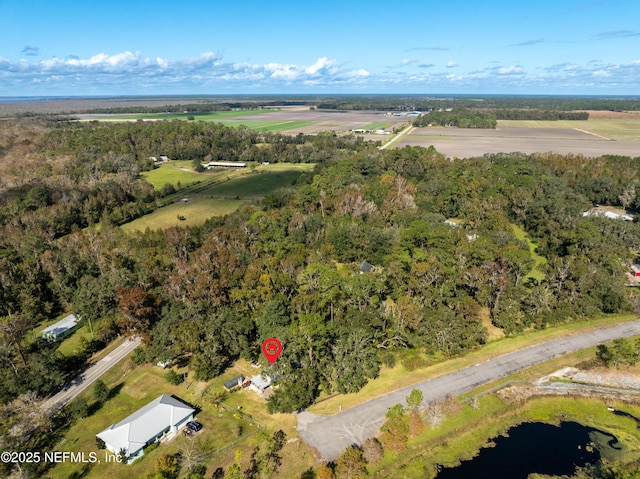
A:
[61, 329]
[160, 418]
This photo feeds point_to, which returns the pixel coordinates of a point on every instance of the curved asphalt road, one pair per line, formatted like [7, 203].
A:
[330, 435]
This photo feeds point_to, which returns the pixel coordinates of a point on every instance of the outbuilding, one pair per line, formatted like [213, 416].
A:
[234, 383]
[61, 329]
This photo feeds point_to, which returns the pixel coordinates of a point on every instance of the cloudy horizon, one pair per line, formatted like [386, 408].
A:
[569, 47]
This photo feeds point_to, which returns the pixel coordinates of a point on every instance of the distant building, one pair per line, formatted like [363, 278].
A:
[160, 418]
[224, 164]
[608, 214]
[61, 329]
[366, 267]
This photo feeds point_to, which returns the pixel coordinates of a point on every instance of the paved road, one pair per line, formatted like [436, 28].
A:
[92, 374]
[397, 137]
[330, 435]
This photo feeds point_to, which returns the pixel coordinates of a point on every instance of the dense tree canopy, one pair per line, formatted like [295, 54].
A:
[439, 238]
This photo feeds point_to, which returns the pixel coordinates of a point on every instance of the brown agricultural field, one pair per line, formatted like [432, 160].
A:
[465, 143]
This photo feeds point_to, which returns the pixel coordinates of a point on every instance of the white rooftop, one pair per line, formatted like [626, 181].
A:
[133, 432]
[61, 326]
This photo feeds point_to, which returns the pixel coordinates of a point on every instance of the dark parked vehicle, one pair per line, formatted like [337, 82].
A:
[194, 426]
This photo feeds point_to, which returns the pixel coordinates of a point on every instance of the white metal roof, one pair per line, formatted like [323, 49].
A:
[133, 432]
[61, 326]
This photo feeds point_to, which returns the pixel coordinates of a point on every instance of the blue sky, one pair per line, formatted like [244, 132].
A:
[133, 47]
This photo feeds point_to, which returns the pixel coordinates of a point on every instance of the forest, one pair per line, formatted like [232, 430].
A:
[377, 254]
[457, 117]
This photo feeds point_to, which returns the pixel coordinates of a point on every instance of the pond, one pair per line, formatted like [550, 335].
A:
[535, 448]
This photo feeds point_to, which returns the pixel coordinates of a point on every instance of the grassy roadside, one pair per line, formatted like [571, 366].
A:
[461, 436]
[398, 377]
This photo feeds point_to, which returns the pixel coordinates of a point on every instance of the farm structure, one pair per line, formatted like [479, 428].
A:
[224, 164]
[237, 382]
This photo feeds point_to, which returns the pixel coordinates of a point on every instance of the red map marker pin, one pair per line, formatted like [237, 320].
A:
[271, 348]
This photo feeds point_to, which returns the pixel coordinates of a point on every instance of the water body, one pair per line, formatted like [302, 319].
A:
[535, 447]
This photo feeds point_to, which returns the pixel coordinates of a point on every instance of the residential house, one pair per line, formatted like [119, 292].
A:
[160, 418]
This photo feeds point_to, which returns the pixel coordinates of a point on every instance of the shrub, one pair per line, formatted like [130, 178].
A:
[173, 378]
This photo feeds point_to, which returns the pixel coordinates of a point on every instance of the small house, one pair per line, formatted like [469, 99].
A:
[260, 383]
[61, 329]
[160, 418]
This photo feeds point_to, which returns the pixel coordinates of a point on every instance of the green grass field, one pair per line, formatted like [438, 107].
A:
[212, 193]
[228, 118]
[195, 212]
[538, 261]
[256, 185]
[209, 116]
[615, 129]
[174, 172]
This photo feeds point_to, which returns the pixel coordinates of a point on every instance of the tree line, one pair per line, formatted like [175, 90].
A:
[458, 117]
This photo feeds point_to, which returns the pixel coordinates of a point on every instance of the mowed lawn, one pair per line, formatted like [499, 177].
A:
[257, 185]
[212, 193]
[623, 129]
[538, 261]
[174, 172]
[198, 210]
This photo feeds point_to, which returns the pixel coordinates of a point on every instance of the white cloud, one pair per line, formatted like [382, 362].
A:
[133, 73]
[512, 70]
[361, 73]
[601, 73]
[322, 65]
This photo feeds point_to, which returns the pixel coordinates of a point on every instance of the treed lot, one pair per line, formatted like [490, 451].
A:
[289, 266]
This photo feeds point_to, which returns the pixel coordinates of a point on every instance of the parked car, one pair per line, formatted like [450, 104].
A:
[194, 426]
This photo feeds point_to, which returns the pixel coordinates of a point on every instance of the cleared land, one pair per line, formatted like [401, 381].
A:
[212, 193]
[289, 120]
[174, 172]
[538, 261]
[195, 212]
[586, 138]
[619, 129]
